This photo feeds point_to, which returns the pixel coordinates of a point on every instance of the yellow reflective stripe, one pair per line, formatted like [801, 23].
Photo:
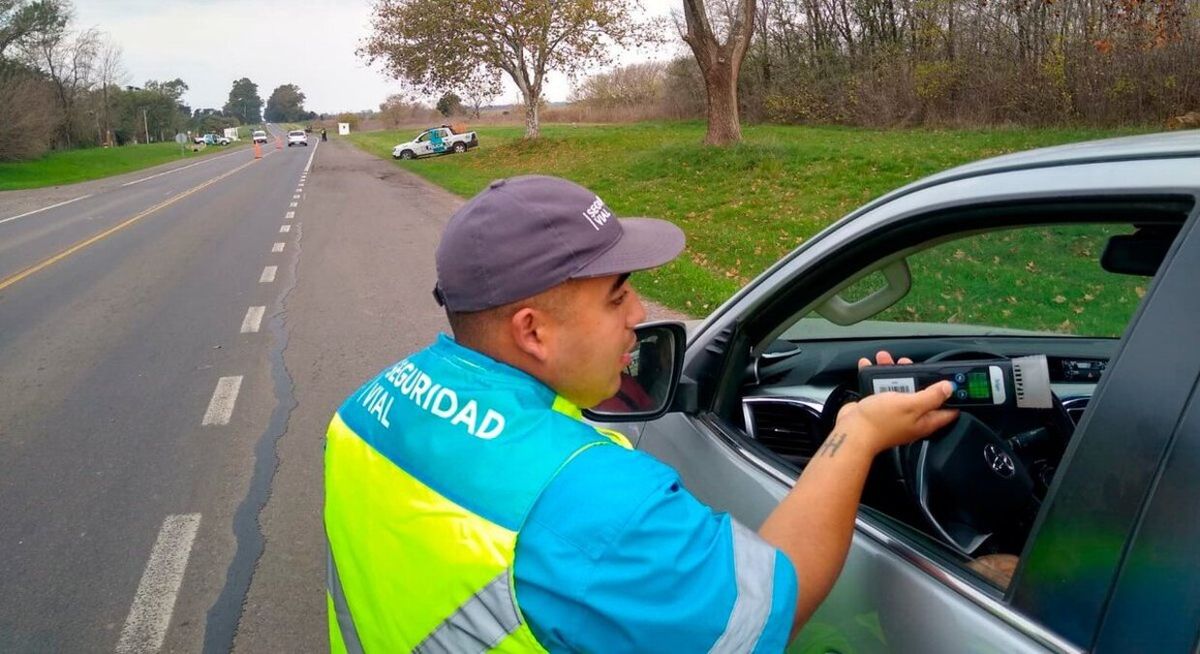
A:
[382, 523]
[567, 408]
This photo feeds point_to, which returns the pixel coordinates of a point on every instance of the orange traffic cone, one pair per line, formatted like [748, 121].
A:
[257, 150]
[278, 143]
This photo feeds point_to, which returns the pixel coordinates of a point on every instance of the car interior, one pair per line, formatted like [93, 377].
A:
[1061, 279]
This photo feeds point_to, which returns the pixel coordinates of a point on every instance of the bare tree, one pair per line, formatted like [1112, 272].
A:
[436, 47]
[110, 74]
[69, 60]
[720, 63]
[478, 98]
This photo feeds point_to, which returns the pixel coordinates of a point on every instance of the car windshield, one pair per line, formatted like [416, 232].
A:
[1043, 280]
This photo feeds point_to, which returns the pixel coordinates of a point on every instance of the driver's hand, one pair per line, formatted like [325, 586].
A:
[886, 420]
[883, 358]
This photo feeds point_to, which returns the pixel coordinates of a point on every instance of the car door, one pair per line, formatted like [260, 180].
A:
[1145, 485]
[422, 145]
[893, 595]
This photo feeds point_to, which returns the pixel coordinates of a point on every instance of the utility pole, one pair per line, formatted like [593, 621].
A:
[146, 125]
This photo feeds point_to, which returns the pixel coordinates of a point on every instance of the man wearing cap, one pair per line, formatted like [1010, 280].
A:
[469, 508]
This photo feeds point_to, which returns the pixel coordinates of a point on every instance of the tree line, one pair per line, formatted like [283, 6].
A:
[879, 63]
[887, 63]
[63, 87]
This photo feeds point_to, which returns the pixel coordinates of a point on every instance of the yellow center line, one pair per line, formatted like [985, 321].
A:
[9, 281]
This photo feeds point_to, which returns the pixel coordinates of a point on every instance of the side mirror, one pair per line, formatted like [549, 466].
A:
[649, 382]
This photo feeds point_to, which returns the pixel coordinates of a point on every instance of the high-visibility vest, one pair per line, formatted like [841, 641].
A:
[424, 504]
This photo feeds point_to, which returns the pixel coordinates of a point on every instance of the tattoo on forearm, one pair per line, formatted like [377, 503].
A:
[831, 445]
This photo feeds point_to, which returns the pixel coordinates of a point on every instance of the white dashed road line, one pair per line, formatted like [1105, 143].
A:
[289, 215]
[30, 213]
[154, 602]
[220, 407]
[268, 274]
[283, 229]
[294, 205]
[296, 197]
[278, 247]
[253, 320]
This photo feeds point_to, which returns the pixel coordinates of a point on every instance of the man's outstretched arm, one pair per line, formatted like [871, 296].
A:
[814, 523]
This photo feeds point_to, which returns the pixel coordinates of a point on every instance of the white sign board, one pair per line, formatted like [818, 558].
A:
[181, 138]
[231, 133]
[343, 128]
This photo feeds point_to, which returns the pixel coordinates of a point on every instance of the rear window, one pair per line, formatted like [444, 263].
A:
[298, 133]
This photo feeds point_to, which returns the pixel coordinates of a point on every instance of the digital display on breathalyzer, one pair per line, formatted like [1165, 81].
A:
[979, 386]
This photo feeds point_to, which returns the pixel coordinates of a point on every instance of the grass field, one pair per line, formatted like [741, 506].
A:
[71, 166]
[742, 207]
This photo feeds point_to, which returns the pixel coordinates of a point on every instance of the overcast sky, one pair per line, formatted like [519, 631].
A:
[311, 43]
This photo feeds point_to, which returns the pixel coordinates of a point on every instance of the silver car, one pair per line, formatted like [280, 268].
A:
[1065, 529]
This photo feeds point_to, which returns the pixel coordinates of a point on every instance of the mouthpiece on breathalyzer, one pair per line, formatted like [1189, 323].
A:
[1022, 383]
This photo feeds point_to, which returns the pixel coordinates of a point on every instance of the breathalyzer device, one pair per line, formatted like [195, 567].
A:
[1022, 383]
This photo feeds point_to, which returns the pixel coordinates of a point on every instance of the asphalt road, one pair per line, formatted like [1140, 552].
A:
[172, 347]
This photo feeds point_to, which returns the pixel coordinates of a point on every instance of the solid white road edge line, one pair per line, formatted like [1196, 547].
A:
[278, 247]
[150, 616]
[310, 157]
[253, 320]
[30, 213]
[283, 229]
[268, 274]
[175, 170]
[220, 407]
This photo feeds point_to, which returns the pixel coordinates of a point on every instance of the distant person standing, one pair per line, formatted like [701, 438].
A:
[323, 137]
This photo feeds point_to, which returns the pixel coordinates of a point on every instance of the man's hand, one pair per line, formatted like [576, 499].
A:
[886, 420]
[814, 522]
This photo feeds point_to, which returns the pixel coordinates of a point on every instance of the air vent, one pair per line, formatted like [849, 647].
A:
[787, 428]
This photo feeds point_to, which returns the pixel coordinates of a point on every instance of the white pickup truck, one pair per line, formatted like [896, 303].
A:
[437, 140]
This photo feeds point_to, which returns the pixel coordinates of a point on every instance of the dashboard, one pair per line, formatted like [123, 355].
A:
[786, 391]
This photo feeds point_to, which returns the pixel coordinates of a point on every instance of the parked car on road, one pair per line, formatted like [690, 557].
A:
[297, 137]
[1086, 539]
[259, 136]
[437, 140]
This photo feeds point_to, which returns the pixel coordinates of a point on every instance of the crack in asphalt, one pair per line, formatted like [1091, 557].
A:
[224, 617]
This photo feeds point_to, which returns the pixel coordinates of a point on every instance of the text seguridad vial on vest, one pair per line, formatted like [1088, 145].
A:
[430, 396]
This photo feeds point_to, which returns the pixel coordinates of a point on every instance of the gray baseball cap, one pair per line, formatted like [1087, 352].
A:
[523, 235]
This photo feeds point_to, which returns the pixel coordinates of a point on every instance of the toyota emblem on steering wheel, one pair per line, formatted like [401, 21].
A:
[999, 460]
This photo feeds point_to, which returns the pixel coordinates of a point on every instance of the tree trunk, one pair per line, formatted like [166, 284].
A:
[720, 84]
[719, 64]
[532, 127]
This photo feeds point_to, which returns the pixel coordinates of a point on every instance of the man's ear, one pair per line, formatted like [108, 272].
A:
[530, 333]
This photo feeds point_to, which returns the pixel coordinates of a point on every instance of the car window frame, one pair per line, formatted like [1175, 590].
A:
[1042, 590]
[734, 345]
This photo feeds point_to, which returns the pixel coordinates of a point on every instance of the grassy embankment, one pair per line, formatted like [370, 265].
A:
[744, 207]
[71, 166]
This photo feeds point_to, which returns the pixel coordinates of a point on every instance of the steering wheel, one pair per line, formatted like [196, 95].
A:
[966, 480]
